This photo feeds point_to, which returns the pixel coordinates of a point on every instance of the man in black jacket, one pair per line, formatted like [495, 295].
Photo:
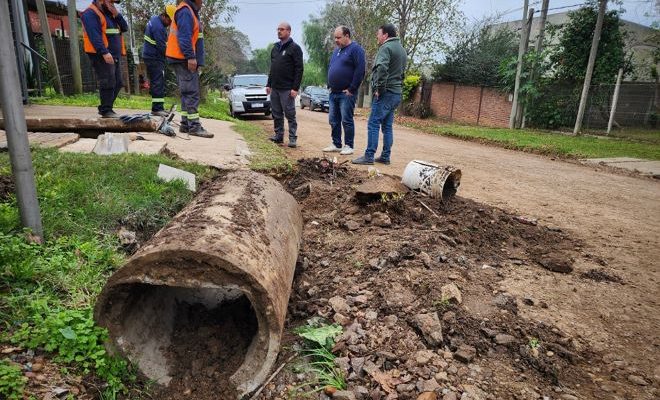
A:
[286, 71]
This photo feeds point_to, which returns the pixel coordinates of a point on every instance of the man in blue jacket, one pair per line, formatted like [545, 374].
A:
[345, 74]
[153, 53]
[185, 53]
[103, 26]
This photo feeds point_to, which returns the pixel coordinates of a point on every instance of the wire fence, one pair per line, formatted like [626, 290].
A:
[637, 107]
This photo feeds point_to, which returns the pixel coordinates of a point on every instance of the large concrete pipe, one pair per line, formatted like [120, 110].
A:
[236, 242]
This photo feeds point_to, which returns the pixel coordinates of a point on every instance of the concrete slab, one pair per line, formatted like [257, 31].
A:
[146, 147]
[613, 160]
[44, 139]
[167, 173]
[644, 167]
[226, 150]
[111, 143]
[81, 146]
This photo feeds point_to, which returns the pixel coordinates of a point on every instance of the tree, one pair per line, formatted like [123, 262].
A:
[425, 25]
[316, 37]
[552, 99]
[570, 57]
[477, 55]
[260, 61]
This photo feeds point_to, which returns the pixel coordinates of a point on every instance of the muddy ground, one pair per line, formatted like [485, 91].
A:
[380, 269]
[421, 290]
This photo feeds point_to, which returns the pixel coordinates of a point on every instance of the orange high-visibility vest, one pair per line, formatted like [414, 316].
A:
[88, 46]
[173, 50]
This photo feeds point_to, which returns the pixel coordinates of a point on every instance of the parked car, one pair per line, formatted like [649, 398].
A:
[315, 97]
[247, 94]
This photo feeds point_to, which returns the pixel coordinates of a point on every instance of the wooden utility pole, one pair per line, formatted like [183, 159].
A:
[539, 47]
[516, 88]
[590, 66]
[74, 47]
[17, 141]
[528, 30]
[48, 43]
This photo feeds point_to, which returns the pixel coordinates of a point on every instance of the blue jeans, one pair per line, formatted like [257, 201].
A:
[341, 114]
[381, 117]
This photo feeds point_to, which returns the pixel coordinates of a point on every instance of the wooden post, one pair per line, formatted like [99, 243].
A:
[17, 141]
[590, 66]
[615, 100]
[74, 47]
[514, 106]
[539, 45]
[481, 98]
[528, 29]
[453, 98]
[48, 42]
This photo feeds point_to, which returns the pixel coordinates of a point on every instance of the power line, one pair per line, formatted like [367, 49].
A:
[240, 3]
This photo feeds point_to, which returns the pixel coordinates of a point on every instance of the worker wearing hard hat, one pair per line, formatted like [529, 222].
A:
[185, 53]
[153, 53]
[103, 26]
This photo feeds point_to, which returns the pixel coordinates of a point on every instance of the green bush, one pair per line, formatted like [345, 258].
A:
[410, 84]
[12, 381]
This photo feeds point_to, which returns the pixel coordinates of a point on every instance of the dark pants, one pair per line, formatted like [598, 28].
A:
[156, 74]
[189, 88]
[110, 83]
[381, 118]
[282, 104]
[341, 114]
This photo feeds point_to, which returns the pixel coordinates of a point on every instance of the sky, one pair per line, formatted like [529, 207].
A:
[258, 19]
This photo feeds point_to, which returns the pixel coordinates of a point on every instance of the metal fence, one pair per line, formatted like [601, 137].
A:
[638, 106]
[63, 55]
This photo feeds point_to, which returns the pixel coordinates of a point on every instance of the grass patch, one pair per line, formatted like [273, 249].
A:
[48, 291]
[267, 156]
[542, 142]
[319, 338]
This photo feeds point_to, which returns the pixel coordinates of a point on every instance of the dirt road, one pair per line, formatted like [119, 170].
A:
[618, 217]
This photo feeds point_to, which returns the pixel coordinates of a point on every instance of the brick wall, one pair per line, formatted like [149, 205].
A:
[470, 104]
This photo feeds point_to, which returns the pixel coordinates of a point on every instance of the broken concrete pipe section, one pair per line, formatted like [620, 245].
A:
[434, 180]
[236, 243]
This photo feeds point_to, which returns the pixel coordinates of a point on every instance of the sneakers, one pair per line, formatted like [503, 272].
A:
[292, 143]
[275, 139]
[347, 150]
[363, 161]
[160, 113]
[332, 149]
[201, 132]
[382, 161]
[109, 114]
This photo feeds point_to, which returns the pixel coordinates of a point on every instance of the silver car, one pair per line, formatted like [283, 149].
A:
[247, 95]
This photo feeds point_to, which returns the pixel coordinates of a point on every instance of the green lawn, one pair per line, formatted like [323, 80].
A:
[47, 291]
[643, 144]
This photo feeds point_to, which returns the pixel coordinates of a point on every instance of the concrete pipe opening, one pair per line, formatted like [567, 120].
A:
[206, 298]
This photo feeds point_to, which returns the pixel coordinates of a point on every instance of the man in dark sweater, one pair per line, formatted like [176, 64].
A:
[286, 71]
[345, 75]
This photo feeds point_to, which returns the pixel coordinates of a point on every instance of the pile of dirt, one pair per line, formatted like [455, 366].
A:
[416, 284]
[208, 346]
